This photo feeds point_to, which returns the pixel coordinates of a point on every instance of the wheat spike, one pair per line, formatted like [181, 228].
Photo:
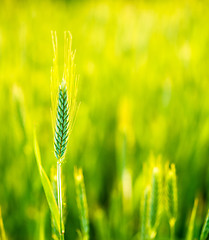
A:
[171, 192]
[62, 123]
[64, 109]
[66, 99]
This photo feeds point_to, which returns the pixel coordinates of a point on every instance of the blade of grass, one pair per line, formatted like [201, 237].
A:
[2, 231]
[192, 221]
[205, 229]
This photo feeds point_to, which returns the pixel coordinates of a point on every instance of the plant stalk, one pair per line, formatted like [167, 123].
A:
[59, 190]
[172, 232]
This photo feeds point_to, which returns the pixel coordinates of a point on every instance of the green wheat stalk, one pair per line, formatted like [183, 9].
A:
[82, 202]
[145, 208]
[172, 199]
[64, 108]
[205, 229]
[60, 142]
[53, 178]
[55, 233]
[154, 208]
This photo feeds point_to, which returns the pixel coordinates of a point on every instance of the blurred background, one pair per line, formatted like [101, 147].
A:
[144, 89]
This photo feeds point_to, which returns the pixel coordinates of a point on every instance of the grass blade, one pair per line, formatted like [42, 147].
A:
[192, 220]
[2, 231]
[205, 229]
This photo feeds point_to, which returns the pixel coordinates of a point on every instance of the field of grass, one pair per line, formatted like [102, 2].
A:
[143, 89]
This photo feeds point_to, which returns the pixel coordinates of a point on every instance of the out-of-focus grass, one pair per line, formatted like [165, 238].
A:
[143, 70]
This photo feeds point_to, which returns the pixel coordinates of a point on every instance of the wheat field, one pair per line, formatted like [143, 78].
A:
[104, 120]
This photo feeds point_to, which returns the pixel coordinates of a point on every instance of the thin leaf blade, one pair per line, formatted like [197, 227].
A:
[47, 186]
[2, 231]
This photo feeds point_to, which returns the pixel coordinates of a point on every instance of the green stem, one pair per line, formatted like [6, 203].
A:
[172, 229]
[59, 189]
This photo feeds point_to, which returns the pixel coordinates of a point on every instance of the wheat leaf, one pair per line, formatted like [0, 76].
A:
[47, 186]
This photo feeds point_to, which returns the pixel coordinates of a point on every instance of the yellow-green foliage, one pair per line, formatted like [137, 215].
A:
[82, 202]
[147, 59]
[171, 195]
[18, 99]
[42, 223]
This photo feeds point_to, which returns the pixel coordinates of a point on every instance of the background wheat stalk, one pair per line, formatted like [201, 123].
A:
[145, 213]
[171, 196]
[155, 193]
[82, 203]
